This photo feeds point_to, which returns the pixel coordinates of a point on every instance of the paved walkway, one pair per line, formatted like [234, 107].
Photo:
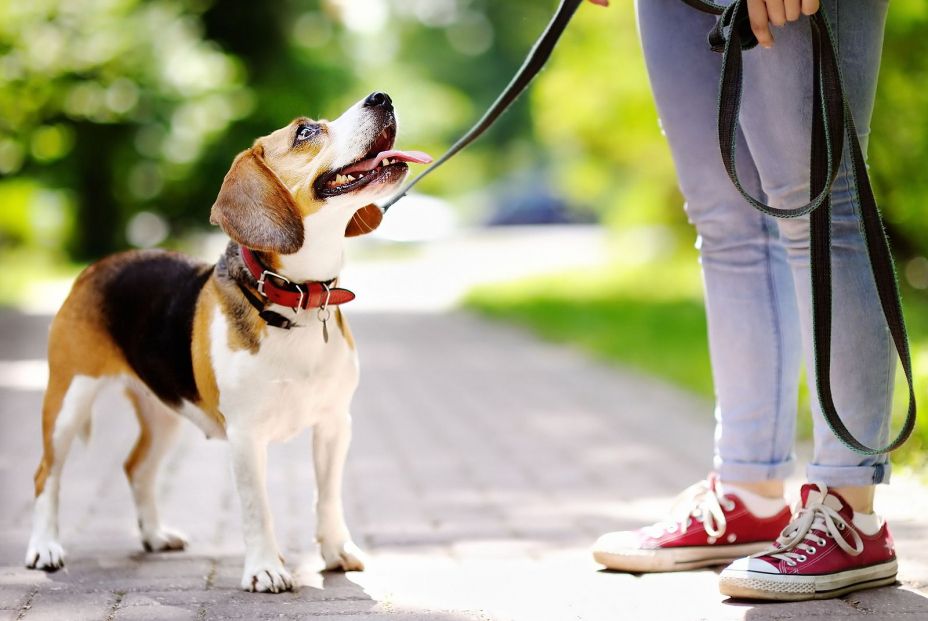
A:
[483, 466]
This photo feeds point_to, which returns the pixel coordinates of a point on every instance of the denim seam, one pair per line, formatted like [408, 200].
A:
[778, 334]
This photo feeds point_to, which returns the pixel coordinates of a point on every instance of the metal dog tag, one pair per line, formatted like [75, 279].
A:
[323, 314]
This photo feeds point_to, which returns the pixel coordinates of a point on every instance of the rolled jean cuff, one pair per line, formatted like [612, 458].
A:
[849, 476]
[753, 472]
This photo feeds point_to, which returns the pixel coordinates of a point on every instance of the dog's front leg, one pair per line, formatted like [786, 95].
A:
[264, 569]
[330, 447]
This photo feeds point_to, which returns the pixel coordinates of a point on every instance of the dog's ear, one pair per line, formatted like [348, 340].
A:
[255, 209]
[365, 220]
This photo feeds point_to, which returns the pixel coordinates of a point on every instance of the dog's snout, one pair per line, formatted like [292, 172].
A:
[379, 100]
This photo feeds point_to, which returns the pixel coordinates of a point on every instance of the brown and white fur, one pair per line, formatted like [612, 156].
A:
[184, 342]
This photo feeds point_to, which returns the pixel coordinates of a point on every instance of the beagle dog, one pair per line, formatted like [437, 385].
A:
[252, 349]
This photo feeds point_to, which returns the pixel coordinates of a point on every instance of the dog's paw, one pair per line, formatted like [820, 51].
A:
[267, 578]
[342, 556]
[163, 540]
[45, 555]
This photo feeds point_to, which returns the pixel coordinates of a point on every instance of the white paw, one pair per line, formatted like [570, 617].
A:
[267, 578]
[344, 556]
[163, 540]
[47, 555]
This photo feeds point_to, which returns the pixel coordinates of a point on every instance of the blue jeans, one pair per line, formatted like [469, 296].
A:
[756, 268]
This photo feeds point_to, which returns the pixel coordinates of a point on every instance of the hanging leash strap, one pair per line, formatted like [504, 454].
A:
[532, 65]
[832, 124]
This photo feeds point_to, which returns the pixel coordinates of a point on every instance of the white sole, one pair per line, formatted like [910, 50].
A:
[745, 584]
[676, 559]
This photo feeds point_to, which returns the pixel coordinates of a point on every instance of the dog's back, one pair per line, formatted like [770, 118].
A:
[132, 312]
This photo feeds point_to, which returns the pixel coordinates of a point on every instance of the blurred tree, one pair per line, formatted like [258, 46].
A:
[111, 98]
[899, 142]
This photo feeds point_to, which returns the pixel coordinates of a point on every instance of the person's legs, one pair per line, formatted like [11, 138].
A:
[834, 545]
[776, 120]
[753, 328]
[750, 305]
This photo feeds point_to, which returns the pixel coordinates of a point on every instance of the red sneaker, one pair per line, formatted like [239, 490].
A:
[705, 529]
[819, 555]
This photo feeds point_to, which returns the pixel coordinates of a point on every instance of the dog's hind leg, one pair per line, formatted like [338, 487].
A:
[65, 411]
[158, 427]
[330, 448]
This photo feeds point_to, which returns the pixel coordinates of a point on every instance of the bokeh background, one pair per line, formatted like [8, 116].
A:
[119, 118]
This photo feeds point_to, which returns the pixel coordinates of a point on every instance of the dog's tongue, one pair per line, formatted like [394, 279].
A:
[416, 157]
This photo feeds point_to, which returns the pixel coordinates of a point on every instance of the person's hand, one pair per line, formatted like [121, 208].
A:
[776, 12]
[600, 2]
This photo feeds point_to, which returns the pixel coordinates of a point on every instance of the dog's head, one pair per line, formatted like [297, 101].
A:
[331, 170]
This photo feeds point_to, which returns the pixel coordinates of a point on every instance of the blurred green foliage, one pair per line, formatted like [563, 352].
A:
[112, 108]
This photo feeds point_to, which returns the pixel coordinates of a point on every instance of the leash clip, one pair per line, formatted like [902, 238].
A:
[323, 314]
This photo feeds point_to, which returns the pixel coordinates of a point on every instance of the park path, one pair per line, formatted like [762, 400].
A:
[484, 464]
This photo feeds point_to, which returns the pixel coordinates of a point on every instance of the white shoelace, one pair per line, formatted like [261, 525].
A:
[798, 541]
[698, 502]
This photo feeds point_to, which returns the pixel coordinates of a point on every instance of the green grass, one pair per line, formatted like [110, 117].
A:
[650, 317]
[653, 322]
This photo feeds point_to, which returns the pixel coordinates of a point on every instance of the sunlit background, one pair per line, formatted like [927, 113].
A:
[119, 118]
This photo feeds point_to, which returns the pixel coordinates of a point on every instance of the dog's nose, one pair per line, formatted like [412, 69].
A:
[379, 100]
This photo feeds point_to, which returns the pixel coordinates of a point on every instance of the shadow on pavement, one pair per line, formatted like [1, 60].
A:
[890, 602]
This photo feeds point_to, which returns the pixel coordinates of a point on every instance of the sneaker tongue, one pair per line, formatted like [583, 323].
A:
[814, 493]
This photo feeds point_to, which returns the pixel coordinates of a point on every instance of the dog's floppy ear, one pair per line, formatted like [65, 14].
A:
[255, 209]
[365, 220]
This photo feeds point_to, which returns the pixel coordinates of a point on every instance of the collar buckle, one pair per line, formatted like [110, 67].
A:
[262, 279]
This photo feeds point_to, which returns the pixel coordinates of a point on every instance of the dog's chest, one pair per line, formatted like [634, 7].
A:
[294, 380]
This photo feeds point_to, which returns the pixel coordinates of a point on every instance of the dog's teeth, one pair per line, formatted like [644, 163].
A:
[340, 179]
[350, 178]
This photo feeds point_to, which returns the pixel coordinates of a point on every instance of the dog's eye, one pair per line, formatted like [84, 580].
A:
[305, 132]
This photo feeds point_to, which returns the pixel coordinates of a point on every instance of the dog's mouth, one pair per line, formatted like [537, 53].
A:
[381, 163]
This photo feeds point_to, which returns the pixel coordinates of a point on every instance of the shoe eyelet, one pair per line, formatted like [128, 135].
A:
[811, 550]
[689, 522]
[802, 558]
[791, 563]
[672, 529]
[729, 506]
[822, 542]
[841, 527]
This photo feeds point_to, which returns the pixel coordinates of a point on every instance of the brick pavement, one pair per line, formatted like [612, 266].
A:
[483, 465]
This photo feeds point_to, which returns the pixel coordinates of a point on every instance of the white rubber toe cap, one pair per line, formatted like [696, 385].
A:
[752, 564]
[619, 542]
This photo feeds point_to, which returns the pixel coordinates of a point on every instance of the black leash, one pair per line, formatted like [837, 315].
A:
[832, 124]
[533, 64]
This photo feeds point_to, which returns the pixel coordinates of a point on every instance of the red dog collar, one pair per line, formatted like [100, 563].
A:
[293, 295]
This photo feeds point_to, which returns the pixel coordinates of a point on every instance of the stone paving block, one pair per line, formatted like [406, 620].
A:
[156, 613]
[60, 605]
[260, 608]
[899, 600]
[12, 597]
